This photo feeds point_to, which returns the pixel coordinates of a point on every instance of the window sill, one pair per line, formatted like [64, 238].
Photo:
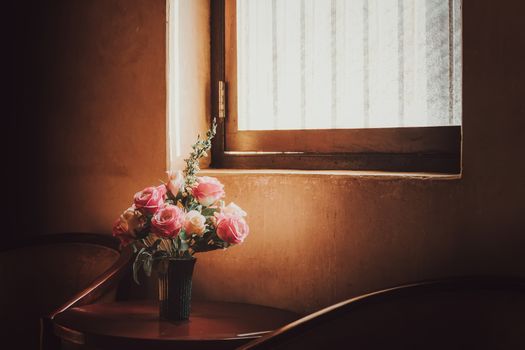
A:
[376, 175]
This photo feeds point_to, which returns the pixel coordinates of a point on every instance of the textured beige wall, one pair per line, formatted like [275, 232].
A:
[316, 239]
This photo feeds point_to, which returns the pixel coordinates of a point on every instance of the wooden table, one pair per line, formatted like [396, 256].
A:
[136, 325]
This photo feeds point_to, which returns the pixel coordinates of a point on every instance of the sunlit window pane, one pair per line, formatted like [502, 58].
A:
[324, 64]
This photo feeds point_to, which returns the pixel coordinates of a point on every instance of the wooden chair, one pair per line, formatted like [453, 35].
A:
[47, 274]
[459, 313]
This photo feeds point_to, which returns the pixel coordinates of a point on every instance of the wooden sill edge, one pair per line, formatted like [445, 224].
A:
[375, 175]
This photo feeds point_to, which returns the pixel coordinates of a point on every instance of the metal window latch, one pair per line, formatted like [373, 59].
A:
[222, 99]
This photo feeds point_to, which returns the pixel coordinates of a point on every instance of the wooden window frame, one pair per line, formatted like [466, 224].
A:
[410, 149]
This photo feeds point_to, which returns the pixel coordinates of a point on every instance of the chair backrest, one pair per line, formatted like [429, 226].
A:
[40, 275]
[460, 313]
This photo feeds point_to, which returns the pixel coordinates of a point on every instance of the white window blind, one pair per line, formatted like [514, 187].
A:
[324, 64]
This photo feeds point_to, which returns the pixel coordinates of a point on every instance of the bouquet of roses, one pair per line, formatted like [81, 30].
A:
[181, 217]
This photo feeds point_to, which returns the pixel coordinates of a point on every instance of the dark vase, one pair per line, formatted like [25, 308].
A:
[175, 289]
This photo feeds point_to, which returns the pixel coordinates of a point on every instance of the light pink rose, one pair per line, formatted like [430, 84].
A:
[150, 199]
[208, 190]
[128, 225]
[167, 221]
[233, 209]
[176, 182]
[231, 228]
[194, 223]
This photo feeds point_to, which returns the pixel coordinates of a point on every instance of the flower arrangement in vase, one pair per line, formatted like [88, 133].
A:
[167, 224]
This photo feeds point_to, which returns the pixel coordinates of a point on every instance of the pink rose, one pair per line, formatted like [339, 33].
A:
[176, 182]
[128, 225]
[150, 199]
[208, 190]
[231, 228]
[167, 221]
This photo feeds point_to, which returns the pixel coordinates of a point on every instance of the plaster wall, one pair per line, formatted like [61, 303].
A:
[93, 90]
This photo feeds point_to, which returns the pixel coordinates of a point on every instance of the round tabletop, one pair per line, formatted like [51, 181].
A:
[136, 324]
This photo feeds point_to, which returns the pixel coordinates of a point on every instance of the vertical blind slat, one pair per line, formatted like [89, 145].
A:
[303, 64]
[401, 61]
[275, 86]
[366, 65]
[333, 63]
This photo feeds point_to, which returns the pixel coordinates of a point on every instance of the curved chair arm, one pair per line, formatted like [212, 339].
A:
[310, 322]
[104, 283]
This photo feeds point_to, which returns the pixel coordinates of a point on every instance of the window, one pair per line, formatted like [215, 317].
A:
[338, 84]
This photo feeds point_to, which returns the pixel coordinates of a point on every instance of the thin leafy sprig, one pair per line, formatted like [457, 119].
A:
[200, 150]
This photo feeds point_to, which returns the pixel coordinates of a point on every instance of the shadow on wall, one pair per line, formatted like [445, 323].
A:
[90, 110]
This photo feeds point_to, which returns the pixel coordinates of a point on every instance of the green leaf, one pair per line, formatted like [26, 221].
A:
[148, 263]
[160, 254]
[137, 264]
[156, 244]
[183, 241]
[208, 211]
[144, 232]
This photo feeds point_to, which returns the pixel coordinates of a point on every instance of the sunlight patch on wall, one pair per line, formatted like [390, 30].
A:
[187, 76]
